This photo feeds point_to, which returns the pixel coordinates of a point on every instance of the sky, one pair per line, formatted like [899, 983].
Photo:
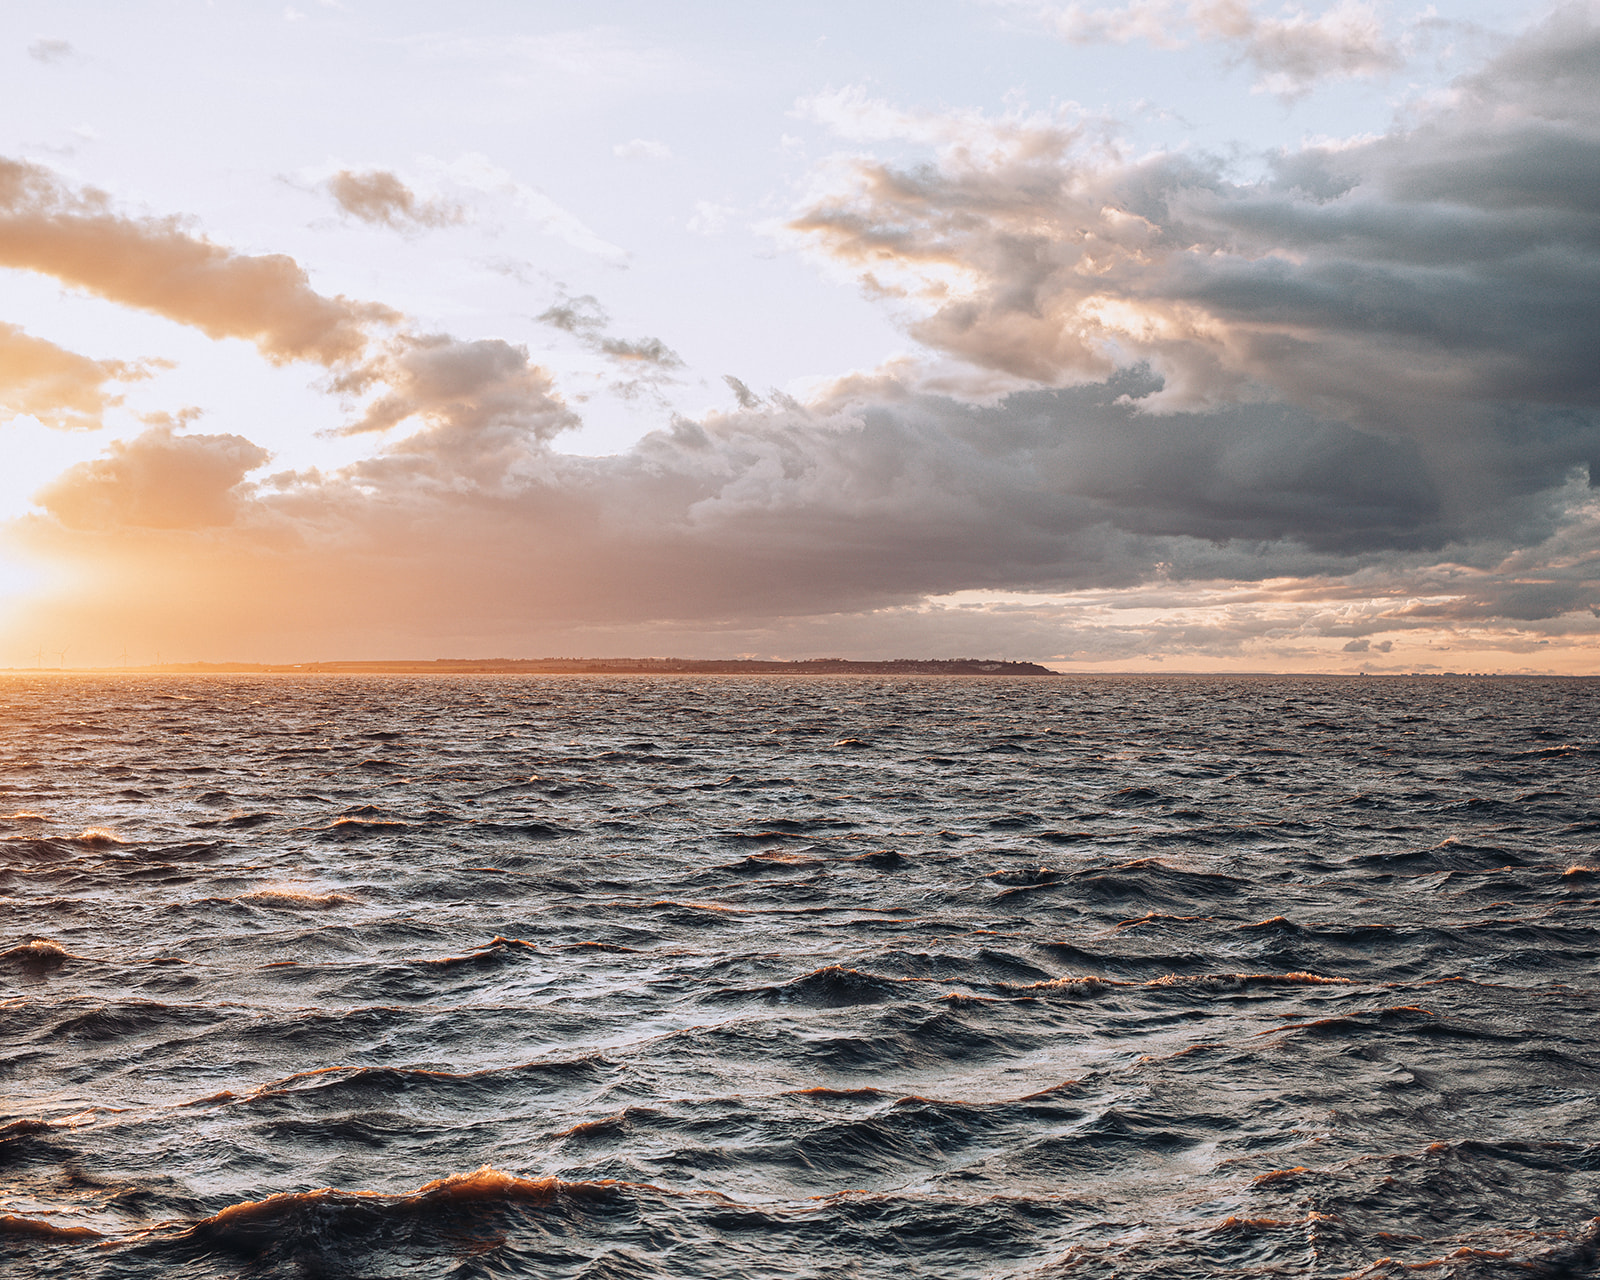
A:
[1164, 335]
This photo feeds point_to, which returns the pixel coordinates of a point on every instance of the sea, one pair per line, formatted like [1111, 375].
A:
[621, 977]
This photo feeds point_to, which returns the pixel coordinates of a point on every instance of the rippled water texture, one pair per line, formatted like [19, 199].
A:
[633, 977]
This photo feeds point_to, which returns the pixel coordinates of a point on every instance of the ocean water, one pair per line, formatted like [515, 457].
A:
[634, 977]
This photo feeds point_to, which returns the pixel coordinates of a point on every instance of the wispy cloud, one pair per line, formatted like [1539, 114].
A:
[642, 149]
[647, 364]
[378, 196]
[477, 173]
[58, 387]
[1292, 50]
[51, 51]
[587, 60]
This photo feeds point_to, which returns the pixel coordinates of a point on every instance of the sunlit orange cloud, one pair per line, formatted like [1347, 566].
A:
[157, 265]
[378, 196]
[159, 480]
[58, 387]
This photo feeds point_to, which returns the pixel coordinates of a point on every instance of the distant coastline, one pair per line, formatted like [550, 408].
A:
[962, 667]
[597, 666]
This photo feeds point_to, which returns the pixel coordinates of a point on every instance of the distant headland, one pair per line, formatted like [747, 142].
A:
[609, 666]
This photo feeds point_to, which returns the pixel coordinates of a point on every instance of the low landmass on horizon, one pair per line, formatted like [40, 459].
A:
[610, 666]
[715, 667]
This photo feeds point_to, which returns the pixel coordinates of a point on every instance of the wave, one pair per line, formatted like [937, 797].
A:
[353, 828]
[529, 830]
[494, 952]
[98, 837]
[757, 863]
[335, 1221]
[41, 953]
[39, 1229]
[833, 987]
[1200, 983]
[328, 1088]
[295, 899]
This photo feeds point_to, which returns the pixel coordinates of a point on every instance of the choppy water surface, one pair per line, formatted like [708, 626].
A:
[634, 977]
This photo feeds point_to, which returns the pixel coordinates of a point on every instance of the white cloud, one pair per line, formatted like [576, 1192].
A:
[50, 51]
[709, 218]
[477, 172]
[593, 59]
[1292, 50]
[642, 149]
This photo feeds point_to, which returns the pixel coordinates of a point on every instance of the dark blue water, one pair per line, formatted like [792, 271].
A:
[636, 977]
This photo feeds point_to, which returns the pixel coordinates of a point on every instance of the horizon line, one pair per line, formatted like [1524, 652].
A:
[963, 666]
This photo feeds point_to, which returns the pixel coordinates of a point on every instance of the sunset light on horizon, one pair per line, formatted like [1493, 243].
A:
[1153, 336]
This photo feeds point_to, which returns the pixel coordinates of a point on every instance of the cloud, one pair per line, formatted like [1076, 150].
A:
[401, 557]
[1155, 23]
[379, 197]
[49, 51]
[641, 351]
[709, 219]
[747, 398]
[966, 137]
[852, 523]
[582, 316]
[157, 265]
[58, 387]
[1437, 284]
[479, 401]
[158, 480]
[787, 509]
[1293, 51]
[642, 149]
[648, 363]
[478, 173]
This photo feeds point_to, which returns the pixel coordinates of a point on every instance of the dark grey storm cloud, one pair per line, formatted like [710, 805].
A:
[863, 504]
